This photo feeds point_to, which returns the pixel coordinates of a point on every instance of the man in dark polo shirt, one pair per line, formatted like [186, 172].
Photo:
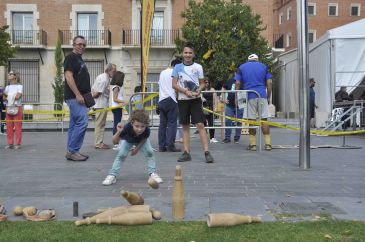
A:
[231, 110]
[77, 84]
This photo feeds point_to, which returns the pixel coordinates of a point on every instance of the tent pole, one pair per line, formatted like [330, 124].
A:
[303, 63]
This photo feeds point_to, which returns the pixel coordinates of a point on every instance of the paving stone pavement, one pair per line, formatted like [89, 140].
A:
[263, 183]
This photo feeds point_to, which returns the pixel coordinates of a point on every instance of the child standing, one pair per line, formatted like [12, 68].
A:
[134, 136]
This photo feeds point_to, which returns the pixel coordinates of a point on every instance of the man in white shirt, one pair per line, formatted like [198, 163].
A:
[168, 108]
[100, 92]
[188, 81]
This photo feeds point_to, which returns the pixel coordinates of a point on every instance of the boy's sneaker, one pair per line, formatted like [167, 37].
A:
[156, 177]
[213, 140]
[268, 147]
[110, 179]
[208, 157]
[116, 147]
[184, 157]
[252, 147]
[9, 147]
[226, 141]
[236, 141]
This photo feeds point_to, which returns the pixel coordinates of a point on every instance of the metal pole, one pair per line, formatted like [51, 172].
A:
[141, 42]
[302, 30]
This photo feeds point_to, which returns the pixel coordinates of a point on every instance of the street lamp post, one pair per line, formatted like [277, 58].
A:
[303, 73]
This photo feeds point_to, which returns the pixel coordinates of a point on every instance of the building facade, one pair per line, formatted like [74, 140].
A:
[111, 29]
[322, 16]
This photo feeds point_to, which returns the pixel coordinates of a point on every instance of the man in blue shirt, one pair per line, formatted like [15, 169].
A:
[255, 76]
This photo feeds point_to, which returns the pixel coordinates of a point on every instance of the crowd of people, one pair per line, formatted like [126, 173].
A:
[185, 95]
[186, 99]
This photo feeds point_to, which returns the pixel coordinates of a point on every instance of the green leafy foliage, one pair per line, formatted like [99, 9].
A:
[224, 34]
[58, 84]
[6, 51]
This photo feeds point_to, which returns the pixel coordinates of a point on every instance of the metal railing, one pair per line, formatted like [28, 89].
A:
[159, 37]
[139, 101]
[28, 37]
[241, 96]
[345, 112]
[43, 113]
[219, 123]
[92, 37]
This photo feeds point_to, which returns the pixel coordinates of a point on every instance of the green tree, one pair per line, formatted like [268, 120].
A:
[6, 51]
[224, 35]
[58, 84]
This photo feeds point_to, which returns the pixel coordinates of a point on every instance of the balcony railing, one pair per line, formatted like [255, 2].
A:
[278, 41]
[29, 37]
[93, 37]
[163, 37]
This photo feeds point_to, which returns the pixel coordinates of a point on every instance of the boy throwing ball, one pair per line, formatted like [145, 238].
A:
[134, 136]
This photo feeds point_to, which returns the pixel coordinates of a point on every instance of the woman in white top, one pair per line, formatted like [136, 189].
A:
[117, 98]
[13, 94]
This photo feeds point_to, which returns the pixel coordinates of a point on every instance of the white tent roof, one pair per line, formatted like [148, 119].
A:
[349, 31]
[354, 30]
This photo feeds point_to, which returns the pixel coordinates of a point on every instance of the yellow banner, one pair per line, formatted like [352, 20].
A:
[148, 9]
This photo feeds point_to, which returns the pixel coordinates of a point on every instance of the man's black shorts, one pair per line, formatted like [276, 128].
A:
[191, 108]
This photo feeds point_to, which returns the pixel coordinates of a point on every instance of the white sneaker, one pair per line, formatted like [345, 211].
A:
[116, 147]
[156, 177]
[213, 140]
[109, 180]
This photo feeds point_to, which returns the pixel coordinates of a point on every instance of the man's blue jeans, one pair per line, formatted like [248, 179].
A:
[125, 147]
[78, 125]
[232, 112]
[168, 123]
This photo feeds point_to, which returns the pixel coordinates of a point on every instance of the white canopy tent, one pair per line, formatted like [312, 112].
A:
[336, 59]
